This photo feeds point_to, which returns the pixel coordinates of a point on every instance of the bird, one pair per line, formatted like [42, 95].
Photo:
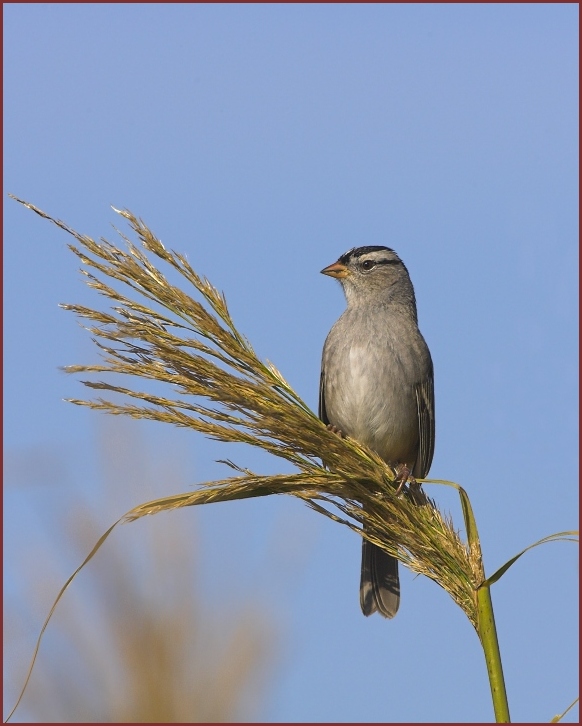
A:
[377, 387]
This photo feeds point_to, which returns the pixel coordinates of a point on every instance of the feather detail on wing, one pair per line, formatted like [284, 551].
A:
[425, 405]
[322, 413]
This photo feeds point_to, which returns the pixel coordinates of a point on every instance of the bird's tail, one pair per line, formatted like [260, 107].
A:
[379, 584]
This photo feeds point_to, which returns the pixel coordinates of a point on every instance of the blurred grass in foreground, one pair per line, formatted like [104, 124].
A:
[134, 643]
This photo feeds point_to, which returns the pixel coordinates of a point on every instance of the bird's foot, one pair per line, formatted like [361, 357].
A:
[415, 491]
[336, 431]
[402, 477]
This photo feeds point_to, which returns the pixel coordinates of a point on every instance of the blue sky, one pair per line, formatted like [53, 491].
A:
[264, 141]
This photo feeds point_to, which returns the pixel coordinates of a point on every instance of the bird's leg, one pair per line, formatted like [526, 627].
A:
[403, 476]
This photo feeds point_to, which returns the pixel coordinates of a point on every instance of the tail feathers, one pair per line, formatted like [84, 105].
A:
[379, 584]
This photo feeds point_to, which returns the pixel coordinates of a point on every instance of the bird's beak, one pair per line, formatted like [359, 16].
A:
[336, 270]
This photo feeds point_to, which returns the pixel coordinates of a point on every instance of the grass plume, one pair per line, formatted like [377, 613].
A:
[156, 331]
[216, 384]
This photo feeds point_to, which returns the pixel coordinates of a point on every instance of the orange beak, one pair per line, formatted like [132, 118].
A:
[336, 270]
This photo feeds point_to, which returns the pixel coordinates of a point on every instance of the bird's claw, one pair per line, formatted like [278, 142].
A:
[335, 430]
[403, 476]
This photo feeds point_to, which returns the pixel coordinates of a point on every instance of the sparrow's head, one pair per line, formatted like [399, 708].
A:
[372, 274]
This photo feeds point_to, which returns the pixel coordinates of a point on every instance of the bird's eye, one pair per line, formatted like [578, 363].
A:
[368, 264]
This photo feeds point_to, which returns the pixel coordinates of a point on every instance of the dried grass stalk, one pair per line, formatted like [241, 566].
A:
[221, 388]
[157, 331]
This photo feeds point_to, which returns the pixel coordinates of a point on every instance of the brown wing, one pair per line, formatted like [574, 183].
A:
[425, 405]
[322, 413]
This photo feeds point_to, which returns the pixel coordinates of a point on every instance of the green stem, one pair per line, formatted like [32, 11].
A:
[488, 636]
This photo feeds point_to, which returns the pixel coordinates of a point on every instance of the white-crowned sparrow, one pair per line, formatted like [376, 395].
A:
[377, 387]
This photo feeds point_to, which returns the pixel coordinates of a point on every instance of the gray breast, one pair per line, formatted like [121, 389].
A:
[369, 381]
